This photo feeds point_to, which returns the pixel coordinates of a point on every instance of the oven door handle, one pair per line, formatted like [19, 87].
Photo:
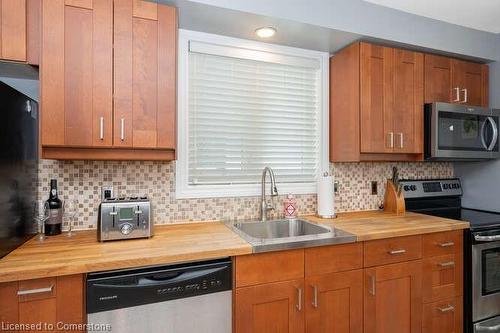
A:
[481, 328]
[491, 238]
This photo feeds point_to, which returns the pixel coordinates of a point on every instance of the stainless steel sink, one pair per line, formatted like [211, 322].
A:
[287, 234]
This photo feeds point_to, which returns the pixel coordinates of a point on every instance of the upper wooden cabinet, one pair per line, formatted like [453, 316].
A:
[455, 81]
[144, 74]
[13, 29]
[108, 77]
[376, 104]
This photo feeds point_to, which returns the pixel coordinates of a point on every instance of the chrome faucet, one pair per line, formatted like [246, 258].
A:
[264, 206]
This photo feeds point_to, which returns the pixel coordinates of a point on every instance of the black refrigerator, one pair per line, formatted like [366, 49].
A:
[18, 168]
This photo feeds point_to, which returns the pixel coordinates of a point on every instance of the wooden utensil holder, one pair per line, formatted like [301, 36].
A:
[393, 202]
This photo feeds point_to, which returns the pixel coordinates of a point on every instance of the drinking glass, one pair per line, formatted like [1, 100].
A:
[41, 214]
[70, 210]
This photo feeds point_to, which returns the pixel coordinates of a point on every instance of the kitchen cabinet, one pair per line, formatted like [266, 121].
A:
[392, 298]
[306, 290]
[108, 80]
[443, 316]
[334, 302]
[13, 30]
[46, 300]
[272, 307]
[455, 81]
[376, 103]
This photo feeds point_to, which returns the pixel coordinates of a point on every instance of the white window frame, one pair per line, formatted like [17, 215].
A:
[183, 189]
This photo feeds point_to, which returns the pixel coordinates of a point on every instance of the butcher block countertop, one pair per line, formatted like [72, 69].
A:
[174, 243]
[370, 225]
[61, 255]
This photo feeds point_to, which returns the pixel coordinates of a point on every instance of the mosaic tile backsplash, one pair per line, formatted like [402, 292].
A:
[82, 180]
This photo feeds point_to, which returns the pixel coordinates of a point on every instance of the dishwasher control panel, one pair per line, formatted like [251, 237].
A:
[125, 288]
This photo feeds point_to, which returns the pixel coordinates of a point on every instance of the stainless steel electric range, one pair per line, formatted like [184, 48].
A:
[443, 197]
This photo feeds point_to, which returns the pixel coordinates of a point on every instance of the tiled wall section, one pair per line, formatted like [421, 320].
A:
[82, 180]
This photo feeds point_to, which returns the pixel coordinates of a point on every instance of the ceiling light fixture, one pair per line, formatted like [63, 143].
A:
[265, 32]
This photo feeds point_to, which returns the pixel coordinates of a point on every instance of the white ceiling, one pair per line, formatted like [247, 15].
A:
[476, 14]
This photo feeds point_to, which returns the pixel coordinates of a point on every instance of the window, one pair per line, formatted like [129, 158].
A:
[245, 105]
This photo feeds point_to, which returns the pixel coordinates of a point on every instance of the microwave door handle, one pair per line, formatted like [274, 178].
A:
[495, 133]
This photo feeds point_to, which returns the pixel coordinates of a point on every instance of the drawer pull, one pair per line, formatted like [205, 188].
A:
[401, 251]
[447, 309]
[447, 264]
[447, 244]
[35, 291]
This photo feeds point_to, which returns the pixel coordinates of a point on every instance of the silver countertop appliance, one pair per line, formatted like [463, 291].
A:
[124, 218]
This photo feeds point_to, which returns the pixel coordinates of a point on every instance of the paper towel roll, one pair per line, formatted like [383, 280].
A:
[326, 198]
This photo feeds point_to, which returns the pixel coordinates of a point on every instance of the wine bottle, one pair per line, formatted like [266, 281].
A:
[53, 225]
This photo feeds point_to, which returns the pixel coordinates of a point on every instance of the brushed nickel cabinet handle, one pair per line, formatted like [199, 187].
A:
[371, 291]
[465, 95]
[394, 252]
[315, 296]
[122, 131]
[299, 299]
[446, 244]
[35, 291]
[101, 128]
[457, 94]
[401, 135]
[446, 309]
[391, 139]
[447, 264]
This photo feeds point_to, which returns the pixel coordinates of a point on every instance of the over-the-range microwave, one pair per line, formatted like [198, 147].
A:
[457, 132]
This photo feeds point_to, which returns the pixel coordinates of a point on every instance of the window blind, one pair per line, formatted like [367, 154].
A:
[246, 114]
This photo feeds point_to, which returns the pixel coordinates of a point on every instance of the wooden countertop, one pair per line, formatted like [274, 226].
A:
[369, 225]
[60, 255]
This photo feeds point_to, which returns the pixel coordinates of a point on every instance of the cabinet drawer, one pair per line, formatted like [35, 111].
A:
[38, 289]
[269, 267]
[443, 243]
[442, 277]
[392, 250]
[443, 316]
[335, 258]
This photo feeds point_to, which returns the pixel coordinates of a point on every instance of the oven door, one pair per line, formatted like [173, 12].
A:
[459, 132]
[485, 275]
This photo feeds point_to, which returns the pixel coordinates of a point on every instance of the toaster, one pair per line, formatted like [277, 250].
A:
[124, 218]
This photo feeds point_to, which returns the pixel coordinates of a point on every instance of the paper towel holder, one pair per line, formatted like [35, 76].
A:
[329, 216]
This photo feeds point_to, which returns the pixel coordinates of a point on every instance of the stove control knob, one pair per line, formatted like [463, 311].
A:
[413, 187]
[406, 188]
[126, 228]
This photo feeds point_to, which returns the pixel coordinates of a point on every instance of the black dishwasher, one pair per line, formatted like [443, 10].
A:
[194, 297]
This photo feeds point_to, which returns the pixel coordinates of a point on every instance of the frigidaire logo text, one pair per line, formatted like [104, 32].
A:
[107, 298]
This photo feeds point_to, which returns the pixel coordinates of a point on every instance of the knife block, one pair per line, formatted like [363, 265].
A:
[393, 203]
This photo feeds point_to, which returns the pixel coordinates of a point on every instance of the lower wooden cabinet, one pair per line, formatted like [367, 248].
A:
[55, 302]
[270, 307]
[393, 298]
[334, 302]
[443, 316]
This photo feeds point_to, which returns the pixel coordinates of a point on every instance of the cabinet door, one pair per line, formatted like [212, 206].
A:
[472, 79]
[13, 29]
[444, 316]
[408, 114]
[376, 99]
[393, 298]
[144, 74]
[442, 277]
[271, 307]
[76, 73]
[334, 302]
[438, 86]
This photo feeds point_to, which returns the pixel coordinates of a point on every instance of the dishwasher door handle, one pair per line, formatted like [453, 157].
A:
[160, 280]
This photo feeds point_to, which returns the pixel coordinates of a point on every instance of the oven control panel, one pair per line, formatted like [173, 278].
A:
[431, 188]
